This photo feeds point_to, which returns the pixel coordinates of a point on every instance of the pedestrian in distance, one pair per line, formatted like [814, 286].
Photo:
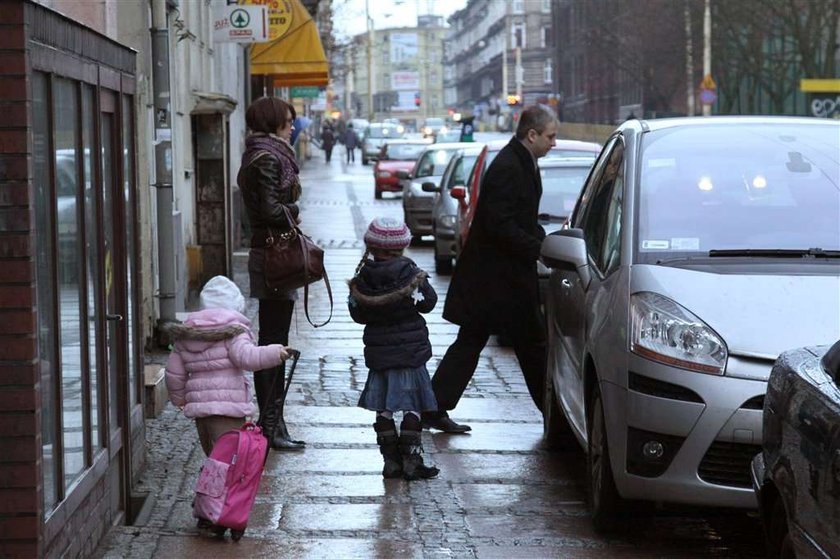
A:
[268, 180]
[388, 294]
[212, 350]
[495, 286]
[328, 141]
[351, 140]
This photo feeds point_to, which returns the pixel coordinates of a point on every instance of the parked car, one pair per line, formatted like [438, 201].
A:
[469, 195]
[685, 271]
[396, 156]
[796, 476]
[432, 126]
[375, 136]
[417, 201]
[445, 207]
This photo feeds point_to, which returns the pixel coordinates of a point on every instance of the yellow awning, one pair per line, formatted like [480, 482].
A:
[296, 56]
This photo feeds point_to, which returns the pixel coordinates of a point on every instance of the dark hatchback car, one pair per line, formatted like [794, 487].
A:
[797, 475]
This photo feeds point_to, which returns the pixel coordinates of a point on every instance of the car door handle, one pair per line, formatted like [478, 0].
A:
[114, 317]
[566, 283]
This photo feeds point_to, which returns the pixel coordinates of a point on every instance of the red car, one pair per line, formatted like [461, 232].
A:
[397, 157]
[468, 195]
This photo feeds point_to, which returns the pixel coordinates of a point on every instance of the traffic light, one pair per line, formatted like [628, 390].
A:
[416, 99]
[514, 100]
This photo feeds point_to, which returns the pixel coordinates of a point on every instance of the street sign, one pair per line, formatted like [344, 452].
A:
[708, 96]
[279, 16]
[308, 91]
[240, 24]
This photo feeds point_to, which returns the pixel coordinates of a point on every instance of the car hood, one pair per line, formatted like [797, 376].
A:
[385, 165]
[757, 315]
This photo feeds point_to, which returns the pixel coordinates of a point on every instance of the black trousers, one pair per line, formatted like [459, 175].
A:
[328, 153]
[458, 365]
[275, 317]
[351, 155]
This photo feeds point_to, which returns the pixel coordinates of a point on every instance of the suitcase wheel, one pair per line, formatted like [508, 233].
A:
[236, 535]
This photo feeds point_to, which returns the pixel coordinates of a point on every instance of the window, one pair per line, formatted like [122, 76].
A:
[518, 6]
[546, 6]
[517, 34]
[547, 71]
[600, 213]
[545, 37]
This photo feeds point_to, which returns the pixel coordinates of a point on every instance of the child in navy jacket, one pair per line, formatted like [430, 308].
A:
[388, 294]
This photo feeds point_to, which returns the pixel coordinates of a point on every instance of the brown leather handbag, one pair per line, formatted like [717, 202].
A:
[293, 260]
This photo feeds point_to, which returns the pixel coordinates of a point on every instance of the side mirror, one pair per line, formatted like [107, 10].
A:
[566, 249]
[403, 175]
[429, 187]
[458, 192]
[831, 363]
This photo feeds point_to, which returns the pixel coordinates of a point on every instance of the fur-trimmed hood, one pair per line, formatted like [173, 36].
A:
[385, 282]
[209, 325]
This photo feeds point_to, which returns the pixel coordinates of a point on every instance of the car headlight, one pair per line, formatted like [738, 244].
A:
[447, 220]
[665, 332]
[383, 174]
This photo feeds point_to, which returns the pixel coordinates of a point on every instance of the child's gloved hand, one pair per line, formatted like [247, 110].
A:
[284, 352]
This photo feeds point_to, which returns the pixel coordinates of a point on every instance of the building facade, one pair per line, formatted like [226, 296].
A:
[407, 68]
[499, 57]
[103, 185]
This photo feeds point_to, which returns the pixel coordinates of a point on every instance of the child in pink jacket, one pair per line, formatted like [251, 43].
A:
[213, 349]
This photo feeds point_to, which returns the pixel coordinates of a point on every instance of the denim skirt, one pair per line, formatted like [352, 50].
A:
[407, 389]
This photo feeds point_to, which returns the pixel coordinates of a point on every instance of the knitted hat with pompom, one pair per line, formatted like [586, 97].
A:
[387, 234]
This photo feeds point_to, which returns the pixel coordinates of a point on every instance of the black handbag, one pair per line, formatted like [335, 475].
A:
[293, 260]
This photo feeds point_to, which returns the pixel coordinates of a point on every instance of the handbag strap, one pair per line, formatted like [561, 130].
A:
[293, 225]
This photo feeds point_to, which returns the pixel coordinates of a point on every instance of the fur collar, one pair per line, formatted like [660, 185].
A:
[387, 297]
[181, 331]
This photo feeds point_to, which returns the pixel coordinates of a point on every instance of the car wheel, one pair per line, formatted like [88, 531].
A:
[364, 161]
[377, 194]
[443, 265]
[605, 504]
[779, 542]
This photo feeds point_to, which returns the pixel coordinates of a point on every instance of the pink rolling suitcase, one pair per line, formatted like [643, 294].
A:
[229, 479]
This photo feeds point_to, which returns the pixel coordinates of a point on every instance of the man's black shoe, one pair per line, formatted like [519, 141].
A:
[444, 423]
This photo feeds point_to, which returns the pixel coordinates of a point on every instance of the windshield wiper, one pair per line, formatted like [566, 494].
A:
[776, 253]
[551, 217]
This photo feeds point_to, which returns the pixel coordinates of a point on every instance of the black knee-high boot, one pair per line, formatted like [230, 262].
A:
[411, 448]
[271, 403]
[386, 438]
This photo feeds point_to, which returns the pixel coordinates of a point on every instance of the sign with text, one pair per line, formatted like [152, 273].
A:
[240, 24]
[308, 91]
[401, 81]
[279, 16]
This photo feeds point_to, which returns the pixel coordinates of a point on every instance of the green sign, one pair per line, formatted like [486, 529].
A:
[311, 91]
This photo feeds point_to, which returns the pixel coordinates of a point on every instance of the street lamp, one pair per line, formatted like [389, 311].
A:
[369, 21]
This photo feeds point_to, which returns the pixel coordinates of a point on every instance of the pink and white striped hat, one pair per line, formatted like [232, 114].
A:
[388, 234]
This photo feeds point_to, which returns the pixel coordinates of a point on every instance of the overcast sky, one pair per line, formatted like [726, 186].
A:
[349, 15]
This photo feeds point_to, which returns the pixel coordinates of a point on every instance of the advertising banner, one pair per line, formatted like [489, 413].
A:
[402, 80]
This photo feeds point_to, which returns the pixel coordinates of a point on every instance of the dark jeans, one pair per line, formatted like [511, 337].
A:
[351, 155]
[275, 317]
[458, 365]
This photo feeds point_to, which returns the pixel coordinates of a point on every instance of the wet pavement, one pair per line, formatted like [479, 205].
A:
[500, 494]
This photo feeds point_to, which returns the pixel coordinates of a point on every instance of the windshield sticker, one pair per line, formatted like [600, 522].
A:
[662, 162]
[656, 245]
[685, 243]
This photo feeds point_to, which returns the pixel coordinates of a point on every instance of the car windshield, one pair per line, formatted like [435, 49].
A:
[561, 187]
[434, 162]
[384, 132]
[750, 186]
[565, 153]
[404, 152]
[434, 122]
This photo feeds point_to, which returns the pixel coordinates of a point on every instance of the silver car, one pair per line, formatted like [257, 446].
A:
[417, 202]
[375, 137]
[445, 207]
[698, 251]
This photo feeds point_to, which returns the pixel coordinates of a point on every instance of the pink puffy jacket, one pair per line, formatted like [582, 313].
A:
[205, 372]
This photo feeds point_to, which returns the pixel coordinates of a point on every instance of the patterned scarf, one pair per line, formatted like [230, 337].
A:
[259, 143]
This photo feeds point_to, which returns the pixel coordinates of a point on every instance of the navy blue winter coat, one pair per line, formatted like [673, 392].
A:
[387, 296]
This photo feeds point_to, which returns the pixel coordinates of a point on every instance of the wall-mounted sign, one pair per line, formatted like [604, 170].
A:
[279, 16]
[240, 24]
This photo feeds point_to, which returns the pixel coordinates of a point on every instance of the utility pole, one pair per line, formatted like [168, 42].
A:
[504, 66]
[707, 50]
[689, 62]
[371, 114]
[519, 72]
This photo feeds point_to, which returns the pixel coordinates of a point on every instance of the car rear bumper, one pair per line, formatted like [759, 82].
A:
[388, 185]
[710, 427]
[418, 221]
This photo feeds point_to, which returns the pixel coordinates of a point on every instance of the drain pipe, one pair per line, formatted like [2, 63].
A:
[163, 165]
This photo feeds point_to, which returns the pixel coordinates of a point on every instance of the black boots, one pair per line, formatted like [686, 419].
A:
[411, 449]
[271, 404]
[386, 438]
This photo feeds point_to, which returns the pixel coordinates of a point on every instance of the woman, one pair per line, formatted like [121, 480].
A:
[268, 179]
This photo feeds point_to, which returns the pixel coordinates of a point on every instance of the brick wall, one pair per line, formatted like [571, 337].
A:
[20, 475]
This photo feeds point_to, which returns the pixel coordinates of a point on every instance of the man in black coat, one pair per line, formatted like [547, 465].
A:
[495, 286]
